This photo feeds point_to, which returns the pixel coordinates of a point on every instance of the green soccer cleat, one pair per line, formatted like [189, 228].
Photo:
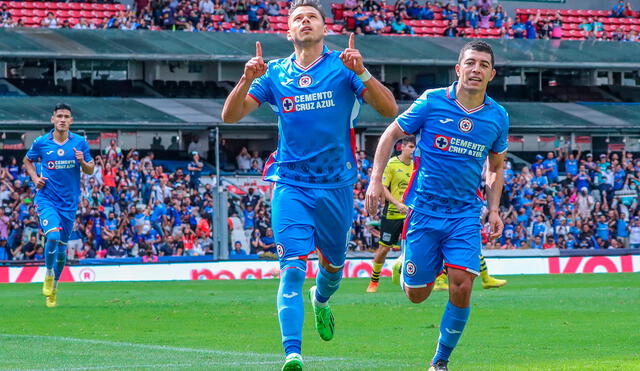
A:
[396, 271]
[293, 362]
[324, 318]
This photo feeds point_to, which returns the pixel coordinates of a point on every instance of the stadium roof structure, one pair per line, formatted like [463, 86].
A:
[234, 47]
[193, 114]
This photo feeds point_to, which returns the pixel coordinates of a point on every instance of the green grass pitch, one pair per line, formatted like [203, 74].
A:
[560, 322]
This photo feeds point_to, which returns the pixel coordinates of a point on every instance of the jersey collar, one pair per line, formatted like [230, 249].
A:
[451, 94]
[50, 137]
[325, 52]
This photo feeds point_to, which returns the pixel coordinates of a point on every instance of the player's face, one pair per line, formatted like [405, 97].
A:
[306, 26]
[62, 119]
[408, 148]
[475, 70]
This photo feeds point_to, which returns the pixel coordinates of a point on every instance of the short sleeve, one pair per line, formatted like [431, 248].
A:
[501, 144]
[34, 152]
[84, 147]
[387, 176]
[411, 120]
[356, 84]
[260, 89]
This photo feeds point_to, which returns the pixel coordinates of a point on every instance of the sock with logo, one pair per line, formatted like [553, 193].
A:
[50, 250]
[290, 304]
[375, 274]
[61, 260]
[451, 328]
[326, 284]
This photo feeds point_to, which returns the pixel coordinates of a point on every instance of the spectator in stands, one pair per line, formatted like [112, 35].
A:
[451, 30]
[556, 27]
[272, 8]
[407, 92]
[398, 26]
[427, 13]
[618, 34]
[252, 11]
[206, 6]
[377, 25]
[267, 243]
[498, 16]
[372, 6]
[50, 21]
[519, 29]
[237, 251]
[530, 26]
[195, 169]
[472, 17]
[634, 233]
[244, 160]
[628, 12]
[350, 4]
[632, 36]
[618, 9]
[462, 15]
[448, 13]
[414, 10]
[4, 13]
[361, 19]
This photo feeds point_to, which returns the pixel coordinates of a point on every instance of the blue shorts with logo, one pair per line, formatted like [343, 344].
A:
[52, 219]
[304, 219]
[432, 243]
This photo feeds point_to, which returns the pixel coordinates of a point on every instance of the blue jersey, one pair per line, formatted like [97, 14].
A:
[61, 168]
[317, 109]
[453, 144]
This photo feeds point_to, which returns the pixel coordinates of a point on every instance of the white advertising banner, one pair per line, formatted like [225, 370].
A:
[354, 268]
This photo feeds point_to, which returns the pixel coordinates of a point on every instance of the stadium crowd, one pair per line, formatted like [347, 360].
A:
[129, 207]
[463, 18]
[132, 207]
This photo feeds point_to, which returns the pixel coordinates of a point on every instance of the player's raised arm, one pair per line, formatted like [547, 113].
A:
[494, 184]
[375, 191]
[239, 103]
[377, 95]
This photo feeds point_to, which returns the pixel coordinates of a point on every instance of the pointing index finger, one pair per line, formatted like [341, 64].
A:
[352, 41]
[258, 49]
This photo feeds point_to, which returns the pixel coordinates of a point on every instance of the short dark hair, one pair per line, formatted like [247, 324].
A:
[411, 139]
[479, 46]
[60, 106]
[312, 3]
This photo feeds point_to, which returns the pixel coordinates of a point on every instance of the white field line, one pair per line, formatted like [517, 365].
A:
[279, 357]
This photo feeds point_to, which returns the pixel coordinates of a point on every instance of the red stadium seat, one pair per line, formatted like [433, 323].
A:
[226, 25]
[283, 19]
[272, 19]
[337, 28]
[73, 14]
[284, 12]
[328, 20]
[243, 18]
[85, 13]
[283, 4]
[62, 13]
[217, 18]
[75, 6]
[38, 5]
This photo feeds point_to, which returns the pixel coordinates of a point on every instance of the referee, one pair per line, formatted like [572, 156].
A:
[395, 179]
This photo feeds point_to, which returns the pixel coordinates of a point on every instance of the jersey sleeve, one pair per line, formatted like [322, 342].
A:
[387, 175]
[356, 84]
[501, 144]
[411, 120]
[34, 152]
[84, 148]
[260, 89]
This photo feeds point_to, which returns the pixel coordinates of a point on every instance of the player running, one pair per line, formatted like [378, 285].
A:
[459, 127]
[317, 94]
[395, 180]
[62, 154]
[488, 281]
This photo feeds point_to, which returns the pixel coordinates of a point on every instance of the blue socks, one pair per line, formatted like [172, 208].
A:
[451, 328]
[51, 248]
[326, 284]
[61, 260]
[290, 304]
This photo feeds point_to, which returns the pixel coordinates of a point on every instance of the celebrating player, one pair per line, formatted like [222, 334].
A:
[62, 154]
[317, 94]
[395, 179]
[459, 127]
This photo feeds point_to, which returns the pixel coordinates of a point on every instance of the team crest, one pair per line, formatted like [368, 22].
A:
[60, 152]
[465, 125]
[280, 250]
[51, 165]
[410, 268]
[305, 81]
[45, 222]
[288, 105]
[441, 142]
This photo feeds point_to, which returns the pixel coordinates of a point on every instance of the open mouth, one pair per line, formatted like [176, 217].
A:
[475, 79]
[306, 29]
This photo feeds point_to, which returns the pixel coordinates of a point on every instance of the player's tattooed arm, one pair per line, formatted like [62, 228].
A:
[87, 167]
[239, 103]
[31, 170]
[494, 184]
[377, 95]
[375, 191]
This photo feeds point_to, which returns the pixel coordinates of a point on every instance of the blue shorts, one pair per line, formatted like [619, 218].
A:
[52, 219]
[304, 219]
[432, 243]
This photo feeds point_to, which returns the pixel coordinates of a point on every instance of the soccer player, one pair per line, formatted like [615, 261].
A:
[488, 281]
[63, 155]
[395, 179]
[317, 94]
[459, 127]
